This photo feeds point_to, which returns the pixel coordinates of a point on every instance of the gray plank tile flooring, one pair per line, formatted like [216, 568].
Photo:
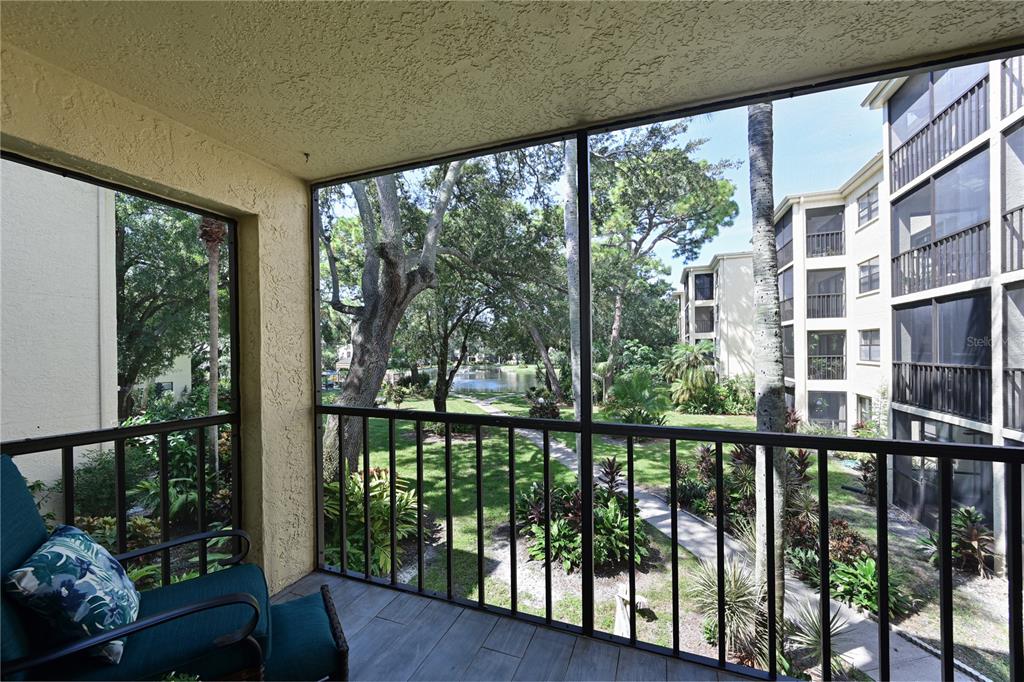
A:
[398, 636]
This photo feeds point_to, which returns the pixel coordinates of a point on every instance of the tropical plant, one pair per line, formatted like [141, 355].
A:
[806, 635]
[610, 476]
[636, 398]
[379, 515]
[971, 543]
[805, 564]
[689, 370]
[846, 545]
[745, 609]
[395, 393]
[856, 583]
[867, 466]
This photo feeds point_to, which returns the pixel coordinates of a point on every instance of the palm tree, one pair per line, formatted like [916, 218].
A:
[769, 387]
[689, 371]
[212, 233]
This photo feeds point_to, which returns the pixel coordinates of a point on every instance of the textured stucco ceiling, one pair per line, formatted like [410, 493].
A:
[359, 86]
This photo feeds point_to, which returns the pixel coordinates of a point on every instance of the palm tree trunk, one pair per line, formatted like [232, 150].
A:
[212, 233]
[769, 386]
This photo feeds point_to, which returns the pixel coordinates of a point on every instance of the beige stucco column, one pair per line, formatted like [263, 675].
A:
[55, 116]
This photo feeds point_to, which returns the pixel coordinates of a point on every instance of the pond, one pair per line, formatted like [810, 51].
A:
[493, 379]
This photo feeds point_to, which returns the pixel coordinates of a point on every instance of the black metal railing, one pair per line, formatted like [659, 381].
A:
[826, 244]
[1013, 239]
[1013, 398]
[703, 325]
[786, 309]
[955, 258]
[951, 129]
[1013, 84]
[482, 426]
[827, 367]
[785, 254]
[126, 438]
[826, 305]
[959, 390]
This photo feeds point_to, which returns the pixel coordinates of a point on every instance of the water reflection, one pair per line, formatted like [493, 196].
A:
[492, 379]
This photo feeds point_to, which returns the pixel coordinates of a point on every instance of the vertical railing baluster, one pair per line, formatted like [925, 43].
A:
[67, 465]
[120, 494]
[236, 480]
[481, 597]
[630, 502]
[392, 498]
[319, 492]
[367, 548]
[343, 476]
[823, 567]
[674, 511]
[165, 510]
[419, 505]
[1012, 482]
[945, 565]
[770, 568]
[720, 547]
[513, 556]
[449, 536]
[201, 497]
[547, 526]
[882, 540]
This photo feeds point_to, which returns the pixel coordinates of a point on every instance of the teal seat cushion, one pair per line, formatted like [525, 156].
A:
[21, 533]
[185, 645]
[304, 648]
[77, 589]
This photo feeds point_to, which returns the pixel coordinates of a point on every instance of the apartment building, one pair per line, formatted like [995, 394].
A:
[953, 157]
[834, 299]
[716, 304]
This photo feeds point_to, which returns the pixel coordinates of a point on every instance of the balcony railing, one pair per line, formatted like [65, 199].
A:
[826, 367]
[785, 254]
[704, 325]
[826, 244]
[959, 390]
[152, 441]
[1013, 392]
[786, 309]
[1013, 239]
[826, 305]
[957, 124]
[431, 543]
[955, 258]
[1013, 84]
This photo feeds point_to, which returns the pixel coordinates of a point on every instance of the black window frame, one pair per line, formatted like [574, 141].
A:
[932, 305]
[703, 292]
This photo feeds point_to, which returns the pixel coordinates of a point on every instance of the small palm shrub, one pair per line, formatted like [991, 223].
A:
[856, 583]
[637, 398]
[746, 617]
[806, 636]
[610, 476]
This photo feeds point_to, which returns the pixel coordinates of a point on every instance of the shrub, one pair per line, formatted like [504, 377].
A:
[380, 518]
[636, 398]
[418, 385]
[395, 393]
[542, 404]
[806, 637]
[141, 530]
[689, 489]
[610, 476]
[972, 542]
[845, 545]
[856, 583]
[745, 609]
[868, 468]
[805, 564]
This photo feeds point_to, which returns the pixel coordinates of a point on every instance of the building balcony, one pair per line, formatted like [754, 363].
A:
[785, 254]
[704, 325]
[826, 305]
[1013, 239]
[786, 309]
[788, 366]
[951, 129]
[958, 257]
[960, 390]
[826, 367]
[826, 244]
[1013, 84]
[1013, 402]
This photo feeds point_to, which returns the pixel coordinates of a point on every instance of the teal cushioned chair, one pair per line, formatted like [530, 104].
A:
[213, 626]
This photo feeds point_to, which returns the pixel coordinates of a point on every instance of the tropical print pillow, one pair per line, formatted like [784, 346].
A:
[77, 588]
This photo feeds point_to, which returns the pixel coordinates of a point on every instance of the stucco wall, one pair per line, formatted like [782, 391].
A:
[52, 115]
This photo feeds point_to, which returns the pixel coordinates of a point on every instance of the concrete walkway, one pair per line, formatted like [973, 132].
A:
[858, 644]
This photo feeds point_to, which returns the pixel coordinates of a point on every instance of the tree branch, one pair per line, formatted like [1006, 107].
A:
[428, 256]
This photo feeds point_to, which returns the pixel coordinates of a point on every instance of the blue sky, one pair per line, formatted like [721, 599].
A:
[820, 141]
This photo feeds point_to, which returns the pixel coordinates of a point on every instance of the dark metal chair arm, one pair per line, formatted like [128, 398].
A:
[28, 662]
[337, 633]
[195, 537]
